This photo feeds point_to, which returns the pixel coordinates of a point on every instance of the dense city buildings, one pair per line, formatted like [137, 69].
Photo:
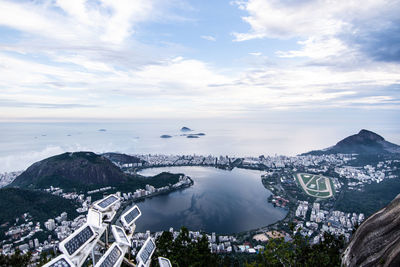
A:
[310, 218]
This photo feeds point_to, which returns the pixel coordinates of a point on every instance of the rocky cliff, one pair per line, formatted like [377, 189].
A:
[377, 241]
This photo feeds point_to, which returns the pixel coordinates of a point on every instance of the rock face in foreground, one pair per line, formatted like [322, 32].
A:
[364, 142]
[377, 241]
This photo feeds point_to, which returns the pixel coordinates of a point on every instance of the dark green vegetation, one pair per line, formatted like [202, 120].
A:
[183, 252]
[122, 158]
[299, 252]
[159, 180]
[22, 260]
[362, 160]
[84, 171]
[14, 202]
[15, 260]
[78, 170]
[371, 199]
[365, 142]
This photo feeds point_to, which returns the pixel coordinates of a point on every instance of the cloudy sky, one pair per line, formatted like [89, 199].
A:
[79, 59]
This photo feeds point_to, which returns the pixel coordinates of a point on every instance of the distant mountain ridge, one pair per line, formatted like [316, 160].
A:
[364, 142]
[71, 170]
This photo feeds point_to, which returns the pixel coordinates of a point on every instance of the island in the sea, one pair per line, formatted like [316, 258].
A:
[185, 129]
[194, 135]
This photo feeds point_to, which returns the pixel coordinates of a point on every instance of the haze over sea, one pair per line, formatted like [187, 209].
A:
[22, 144]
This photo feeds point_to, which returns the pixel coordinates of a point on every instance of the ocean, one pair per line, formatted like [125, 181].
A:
[22, 144]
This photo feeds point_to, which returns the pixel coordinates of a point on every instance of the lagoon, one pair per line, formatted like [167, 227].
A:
[220, 201]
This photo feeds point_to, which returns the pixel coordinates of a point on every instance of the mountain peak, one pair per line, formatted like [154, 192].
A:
[364, 137]
[71, 170]
[366, 134]
[364, 142]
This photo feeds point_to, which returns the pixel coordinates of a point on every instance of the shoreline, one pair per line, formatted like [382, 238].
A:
[227, 168]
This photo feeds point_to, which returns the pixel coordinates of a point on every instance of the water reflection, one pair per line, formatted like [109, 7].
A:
[219, 201]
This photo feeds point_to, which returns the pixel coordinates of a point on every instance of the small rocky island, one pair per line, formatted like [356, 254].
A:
[194, 135]
[186, 129]
[186, 134]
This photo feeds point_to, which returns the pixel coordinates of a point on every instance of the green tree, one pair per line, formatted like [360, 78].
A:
[299, 252]
[15, 260]
[183, 251]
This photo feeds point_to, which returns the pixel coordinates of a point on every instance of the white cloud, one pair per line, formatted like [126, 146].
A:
[288, 19]
[181, 87]
[325, 28]
[316, 48]
[79, 21]
[22, 160]
[209, 38]
[77, 63]
[255, 54]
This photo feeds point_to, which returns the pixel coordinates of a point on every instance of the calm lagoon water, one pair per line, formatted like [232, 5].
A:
[219, 201]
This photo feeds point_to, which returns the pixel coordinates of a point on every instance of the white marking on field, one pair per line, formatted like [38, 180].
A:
[309, 189]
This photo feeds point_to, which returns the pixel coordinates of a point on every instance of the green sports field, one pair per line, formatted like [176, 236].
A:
[315, 185]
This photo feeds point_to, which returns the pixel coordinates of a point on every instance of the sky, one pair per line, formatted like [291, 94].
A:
[123, 59]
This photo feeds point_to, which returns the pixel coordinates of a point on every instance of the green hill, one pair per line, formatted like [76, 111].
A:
[84, 171]
[364, 143]
[71, 171]
[122, 158]
[159, 180]
[14, 202]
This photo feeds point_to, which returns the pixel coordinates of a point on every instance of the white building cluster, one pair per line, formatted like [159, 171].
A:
[100, 190]
[368, 173]
[310, 162]
[302, 209]
[151, 190]
[319, 221]
[21, 236]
